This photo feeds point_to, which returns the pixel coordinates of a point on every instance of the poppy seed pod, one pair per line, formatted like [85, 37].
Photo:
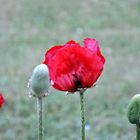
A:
[133, 112]
[39, 82]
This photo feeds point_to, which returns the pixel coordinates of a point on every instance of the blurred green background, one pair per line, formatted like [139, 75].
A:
[29, 27]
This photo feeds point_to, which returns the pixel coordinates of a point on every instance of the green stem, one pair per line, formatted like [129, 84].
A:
[82, 115]
[40, 118]
[137, 131]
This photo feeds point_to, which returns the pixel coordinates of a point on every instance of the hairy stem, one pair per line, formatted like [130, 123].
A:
[40, 118]
[137, 131]
[82, 115]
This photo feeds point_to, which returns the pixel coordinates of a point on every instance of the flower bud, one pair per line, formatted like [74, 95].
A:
[39, 82]
[133, 112]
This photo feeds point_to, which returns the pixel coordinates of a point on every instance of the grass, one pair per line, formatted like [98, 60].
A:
[29, 28]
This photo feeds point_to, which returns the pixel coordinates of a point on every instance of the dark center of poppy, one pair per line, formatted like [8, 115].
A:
[77, 82]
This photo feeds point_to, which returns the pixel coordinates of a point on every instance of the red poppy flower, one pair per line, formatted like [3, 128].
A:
[1, 100]
[72, 66]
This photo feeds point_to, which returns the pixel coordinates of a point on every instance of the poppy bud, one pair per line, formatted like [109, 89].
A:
[133, 112]
[39, 82]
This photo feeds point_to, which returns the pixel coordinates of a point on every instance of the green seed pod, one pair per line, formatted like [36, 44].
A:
[133, 112]
[39, 82]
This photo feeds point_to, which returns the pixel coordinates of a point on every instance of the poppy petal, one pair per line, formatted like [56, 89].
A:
[1, 100]
[50, 53]
[91, 44]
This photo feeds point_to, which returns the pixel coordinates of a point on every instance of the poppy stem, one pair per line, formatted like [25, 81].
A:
[137, 131]
[40, 118]
[82, 115]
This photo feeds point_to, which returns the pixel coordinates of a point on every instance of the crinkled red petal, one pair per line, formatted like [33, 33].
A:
[72, 66]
